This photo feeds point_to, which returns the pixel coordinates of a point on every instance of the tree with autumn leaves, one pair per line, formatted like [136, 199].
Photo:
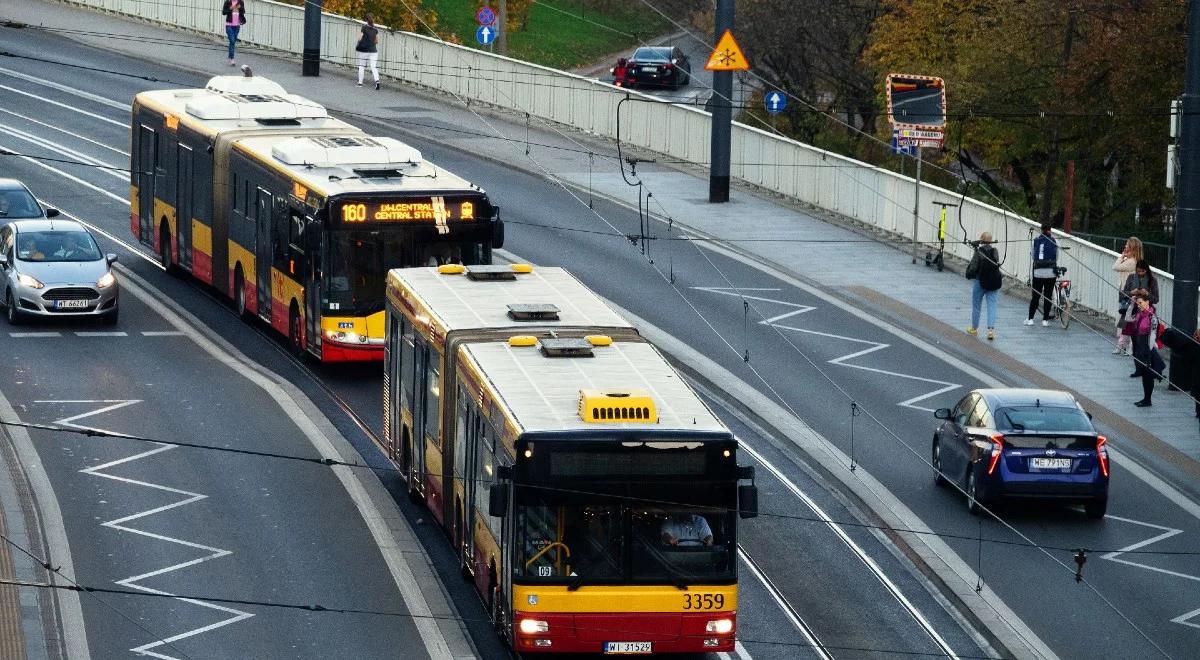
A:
[409, 15]
[1031, 85]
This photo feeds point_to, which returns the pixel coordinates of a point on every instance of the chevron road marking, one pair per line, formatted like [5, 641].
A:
[120, 524]
[1167, 532]
[842, 361]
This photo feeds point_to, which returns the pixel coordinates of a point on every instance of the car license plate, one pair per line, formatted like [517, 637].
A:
[650, 69]
[70, 304]
[628, 647]
[1051, 463]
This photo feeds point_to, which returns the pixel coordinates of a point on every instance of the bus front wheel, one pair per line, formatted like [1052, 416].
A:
[239, 293]
[294, 332]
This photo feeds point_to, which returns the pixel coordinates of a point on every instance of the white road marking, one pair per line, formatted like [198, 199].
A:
[64, 105]
[30, 335]
[844, 360]
[63, 150]
[119, 524]
[865, 558]
[1167, 532]
[162, 333]
[1185, 619]
[63, 130]
[115, 333]
[70, 90]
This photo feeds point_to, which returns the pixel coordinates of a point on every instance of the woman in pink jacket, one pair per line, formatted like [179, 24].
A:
[1124, 266]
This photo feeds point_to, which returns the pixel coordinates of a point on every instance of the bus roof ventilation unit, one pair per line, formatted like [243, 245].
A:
[533, 312]
[277, 121]
[566, 347]
[608, 406]
[242, 98]
[379, 173]
[490, 273]
[346, 150]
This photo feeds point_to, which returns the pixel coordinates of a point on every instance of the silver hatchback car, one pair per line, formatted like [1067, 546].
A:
[53, 267]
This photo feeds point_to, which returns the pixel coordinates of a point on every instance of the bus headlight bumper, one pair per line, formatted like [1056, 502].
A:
[533, 626]
[719, 626]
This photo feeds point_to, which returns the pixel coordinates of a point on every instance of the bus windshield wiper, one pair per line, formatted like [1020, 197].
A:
[575, 583]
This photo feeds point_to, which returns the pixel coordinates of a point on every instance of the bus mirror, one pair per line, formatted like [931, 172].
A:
[498, 233]
[748, 501]
[498, 500]
[745, 472]
[504, 472]
[312, 235]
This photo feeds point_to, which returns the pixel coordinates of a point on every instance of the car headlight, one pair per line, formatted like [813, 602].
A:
[29, 281]
[106, 280]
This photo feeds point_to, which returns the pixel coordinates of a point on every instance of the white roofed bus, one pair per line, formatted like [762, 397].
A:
[591, 496]
[292, 214]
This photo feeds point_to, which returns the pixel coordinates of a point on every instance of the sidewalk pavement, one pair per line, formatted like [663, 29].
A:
[936, 303]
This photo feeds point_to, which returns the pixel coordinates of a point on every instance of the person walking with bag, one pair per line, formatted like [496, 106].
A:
[235, 18]
[368, 50]
[1148, 363]
[985, 270]
[1124, 265]
[1045, 260]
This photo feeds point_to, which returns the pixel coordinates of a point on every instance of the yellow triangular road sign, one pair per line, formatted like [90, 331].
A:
[727, 56]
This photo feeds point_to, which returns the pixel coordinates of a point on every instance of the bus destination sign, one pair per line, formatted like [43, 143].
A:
[437, 209]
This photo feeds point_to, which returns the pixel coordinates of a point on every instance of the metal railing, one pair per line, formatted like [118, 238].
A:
[1158, 255]
[857, 190]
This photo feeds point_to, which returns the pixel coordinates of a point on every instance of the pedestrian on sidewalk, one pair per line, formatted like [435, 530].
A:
[235, 18]
[988, 281]
[368, 50]
[1147, 362]
[1141, 281]
[1124, 265]
[1045, 260]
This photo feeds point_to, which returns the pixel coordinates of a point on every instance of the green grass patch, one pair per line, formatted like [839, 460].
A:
[572, 36]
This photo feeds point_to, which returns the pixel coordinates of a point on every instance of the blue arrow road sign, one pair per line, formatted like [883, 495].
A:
[486, 34]
[775, 101]
[901, 150]
[486, 16]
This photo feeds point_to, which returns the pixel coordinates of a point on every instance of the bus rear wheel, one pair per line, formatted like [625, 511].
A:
[164, 251]
[239, 293]
[294, 333]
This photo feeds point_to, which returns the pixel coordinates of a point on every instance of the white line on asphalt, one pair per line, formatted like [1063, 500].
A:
[30, 335]
[857, 550]
[64, 150]
[63, 130]
[843, 361]
[68, 107]
[115, 333]
[1167, 532]
[162, 333]
[120, 524]
[70, 90]
[786, 607]
[1185, 619]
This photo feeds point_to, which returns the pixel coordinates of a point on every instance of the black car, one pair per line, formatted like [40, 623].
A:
[1022, 443]
[659, 65]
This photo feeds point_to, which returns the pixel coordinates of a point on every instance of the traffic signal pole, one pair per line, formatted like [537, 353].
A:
[311, 63]
[722, 115]
[1187, 233]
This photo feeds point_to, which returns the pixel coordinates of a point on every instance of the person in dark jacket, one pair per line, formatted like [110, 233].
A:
[1141, 281]
[368, 50]
[1045, 260]
[1147, 362]
[987, 286]
[235, 18]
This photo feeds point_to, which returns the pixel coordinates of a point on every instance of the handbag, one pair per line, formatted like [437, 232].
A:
[972, 271]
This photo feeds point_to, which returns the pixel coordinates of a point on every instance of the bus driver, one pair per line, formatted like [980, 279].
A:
[686, 530]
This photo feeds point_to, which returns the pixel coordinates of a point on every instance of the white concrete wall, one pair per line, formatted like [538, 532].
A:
[854, 189]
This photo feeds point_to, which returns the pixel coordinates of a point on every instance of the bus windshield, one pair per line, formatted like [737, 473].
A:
[360, 259]
[570, 535]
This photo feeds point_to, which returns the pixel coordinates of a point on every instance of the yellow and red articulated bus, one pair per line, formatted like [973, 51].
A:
[294, 215]
[590, 494]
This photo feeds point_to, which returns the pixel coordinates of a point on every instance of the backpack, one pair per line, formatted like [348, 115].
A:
[972, 271]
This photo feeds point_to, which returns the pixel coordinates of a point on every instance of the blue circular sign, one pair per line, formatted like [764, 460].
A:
[486, 16]
[486, 34]
[775, 101]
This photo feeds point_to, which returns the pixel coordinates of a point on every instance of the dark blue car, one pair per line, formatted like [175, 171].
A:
[1002, 444]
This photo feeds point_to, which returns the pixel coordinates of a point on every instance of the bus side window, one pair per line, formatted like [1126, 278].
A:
[485, 473]
[461, 426]
[233, 192]
[433, 398]
[407, 366]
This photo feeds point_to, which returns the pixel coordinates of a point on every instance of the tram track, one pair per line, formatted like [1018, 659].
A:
[781, 600]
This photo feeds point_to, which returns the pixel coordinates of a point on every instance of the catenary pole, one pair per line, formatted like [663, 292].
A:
[1187, 233]
[722, 115]
[311, 63]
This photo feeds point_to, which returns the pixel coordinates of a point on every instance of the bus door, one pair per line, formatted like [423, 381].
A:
[183, 205]
[147, 165]
[420, 391]
[308, 265]
[263, 252]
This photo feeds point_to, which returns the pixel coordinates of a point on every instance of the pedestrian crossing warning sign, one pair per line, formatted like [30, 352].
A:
[727, 56]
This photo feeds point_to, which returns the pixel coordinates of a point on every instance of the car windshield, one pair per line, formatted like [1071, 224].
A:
[359, 261]
[652, 55]
[18, 203]
[67, 245]
[1043, 419]
[566, 536]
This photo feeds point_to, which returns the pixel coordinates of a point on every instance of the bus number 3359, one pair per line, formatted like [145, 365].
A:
[703, 601]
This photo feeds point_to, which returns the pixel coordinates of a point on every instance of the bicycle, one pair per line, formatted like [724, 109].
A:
[1062, 296]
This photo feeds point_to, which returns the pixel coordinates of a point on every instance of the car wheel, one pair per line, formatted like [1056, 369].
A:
[14, 315]
[1097, 507]
[936, 460]
[974, 506]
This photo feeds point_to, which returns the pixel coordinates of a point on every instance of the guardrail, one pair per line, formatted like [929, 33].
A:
[862, 192]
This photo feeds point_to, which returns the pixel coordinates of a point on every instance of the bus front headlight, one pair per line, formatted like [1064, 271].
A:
[533, 626]
[719, 626]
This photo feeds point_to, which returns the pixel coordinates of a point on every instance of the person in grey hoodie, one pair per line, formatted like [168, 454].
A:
[1045, 260]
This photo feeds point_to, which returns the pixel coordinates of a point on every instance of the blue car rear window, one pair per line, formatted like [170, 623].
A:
[1043, 419]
